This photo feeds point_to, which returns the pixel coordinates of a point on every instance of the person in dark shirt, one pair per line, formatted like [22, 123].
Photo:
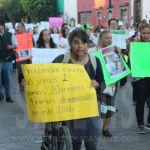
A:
[90, 132]
[7, 45]
[141, 87]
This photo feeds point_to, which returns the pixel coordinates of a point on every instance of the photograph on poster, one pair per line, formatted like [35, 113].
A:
[113, 61]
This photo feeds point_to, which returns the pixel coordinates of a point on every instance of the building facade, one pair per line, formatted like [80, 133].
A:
[98, 12]
[140, 10]
[67, 9]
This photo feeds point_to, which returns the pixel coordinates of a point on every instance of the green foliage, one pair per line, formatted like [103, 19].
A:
[3, 14]
[40, 10]
[14, 10]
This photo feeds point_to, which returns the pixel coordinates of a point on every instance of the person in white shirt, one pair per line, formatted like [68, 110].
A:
[64, 43]
[94, 36]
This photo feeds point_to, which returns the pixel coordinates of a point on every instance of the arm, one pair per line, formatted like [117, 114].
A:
[14, 43]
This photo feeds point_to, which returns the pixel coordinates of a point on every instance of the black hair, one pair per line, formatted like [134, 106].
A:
[102, 34]
[97, 30]
[112, 19]
[40, 42]
[2, 23]
[63, 25]
[81, 34]
[52, 30]
[63, 32]
[22, 24]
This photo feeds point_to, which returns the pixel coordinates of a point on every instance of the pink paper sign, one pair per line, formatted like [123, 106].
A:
[55, 22]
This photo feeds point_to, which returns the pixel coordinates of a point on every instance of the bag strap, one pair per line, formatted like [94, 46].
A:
[93, 61]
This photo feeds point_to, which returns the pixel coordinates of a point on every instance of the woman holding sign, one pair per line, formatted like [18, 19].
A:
[141, 87]
[105, 40]
[87, 129]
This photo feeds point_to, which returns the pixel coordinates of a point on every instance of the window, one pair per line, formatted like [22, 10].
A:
[85, 17]
[109, 14]
[99, 15]
[137, 11]
[124, 15]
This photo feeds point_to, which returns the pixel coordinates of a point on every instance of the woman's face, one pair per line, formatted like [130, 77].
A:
[145, 35]
[78, 47]
[55, 30]
[107, 40]
[20, 28]
[67, 32]
[113, 25]
[72, 23]
[46, 35]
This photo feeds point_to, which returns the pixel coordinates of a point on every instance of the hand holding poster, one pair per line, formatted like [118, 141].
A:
[140, 59]
[52, 95]
[25, 44]
[114, 67]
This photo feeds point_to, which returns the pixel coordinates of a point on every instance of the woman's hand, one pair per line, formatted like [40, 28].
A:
[95, 84]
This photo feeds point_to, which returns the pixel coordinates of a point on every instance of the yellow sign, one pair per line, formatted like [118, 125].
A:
[58, 92]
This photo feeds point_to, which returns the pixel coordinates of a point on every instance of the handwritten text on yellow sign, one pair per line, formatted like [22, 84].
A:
[57, 92]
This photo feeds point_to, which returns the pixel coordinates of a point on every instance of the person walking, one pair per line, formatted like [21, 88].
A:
[7, 45]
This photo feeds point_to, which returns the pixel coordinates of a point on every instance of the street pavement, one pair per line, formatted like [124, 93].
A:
[17, 133]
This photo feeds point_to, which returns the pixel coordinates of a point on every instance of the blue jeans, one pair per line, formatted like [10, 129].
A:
[5, 69]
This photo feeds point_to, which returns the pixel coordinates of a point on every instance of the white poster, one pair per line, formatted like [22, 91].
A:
[44, 55]
[119, 38]
[29, 26]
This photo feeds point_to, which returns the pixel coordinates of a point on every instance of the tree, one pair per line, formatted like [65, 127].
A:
[3, 14]
[14, 10]
[40, 10]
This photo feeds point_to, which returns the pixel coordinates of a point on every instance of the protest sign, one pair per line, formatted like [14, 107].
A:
[114, 67]
[53, 95]
[55, 36]
[29, 26]
[140, 59]
[119, 38]
[44, 55]
[130, 33]
[44, 24]
[55, 22]
[25, 44]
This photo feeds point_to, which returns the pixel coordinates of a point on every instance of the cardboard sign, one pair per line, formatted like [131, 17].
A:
[55, 22]
[44, 55]
[140, 59]
[119, 38]
[53, 95]
[114, 67]
[25, 44]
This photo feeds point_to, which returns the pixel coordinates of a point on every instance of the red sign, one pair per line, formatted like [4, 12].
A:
[25, 44]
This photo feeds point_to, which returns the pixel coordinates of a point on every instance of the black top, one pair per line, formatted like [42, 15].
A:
[94, 75]
[5, 53]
